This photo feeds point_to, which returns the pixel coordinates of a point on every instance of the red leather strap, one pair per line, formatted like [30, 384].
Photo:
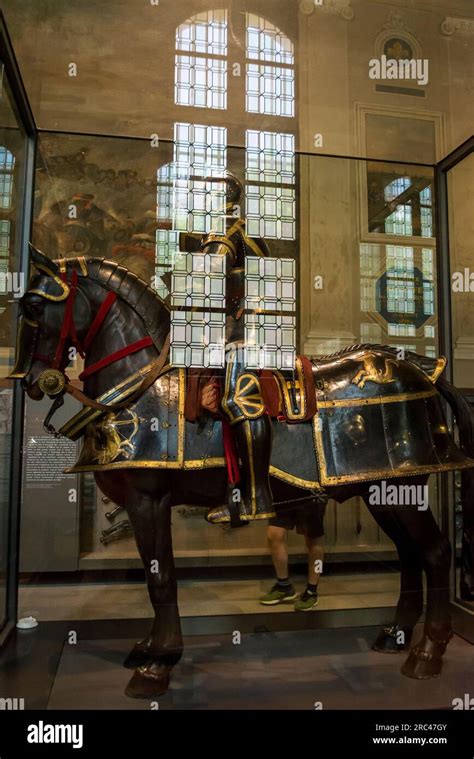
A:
[67, 327]
[99, 319]
[230, 454]
[145, 342]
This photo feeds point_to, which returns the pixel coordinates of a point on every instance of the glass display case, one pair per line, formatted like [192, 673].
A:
[346, 185]
[16, 193]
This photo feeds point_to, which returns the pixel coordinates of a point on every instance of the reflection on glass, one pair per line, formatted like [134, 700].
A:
[201, 81]
[400, 205]
[11, 288]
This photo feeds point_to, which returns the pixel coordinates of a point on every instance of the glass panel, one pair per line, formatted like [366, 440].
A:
[12, 166]
[461, 231]
[270, 324]
[353, 284]
[198, 311]
[461, 234]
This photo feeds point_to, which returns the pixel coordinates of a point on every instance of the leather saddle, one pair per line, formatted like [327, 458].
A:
[288, 396]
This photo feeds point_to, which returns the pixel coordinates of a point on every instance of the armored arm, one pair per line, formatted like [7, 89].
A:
[220, 245]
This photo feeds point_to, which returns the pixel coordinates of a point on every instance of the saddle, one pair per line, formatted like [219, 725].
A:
[288, 399]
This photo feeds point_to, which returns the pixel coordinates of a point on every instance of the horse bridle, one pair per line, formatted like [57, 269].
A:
[54, 382]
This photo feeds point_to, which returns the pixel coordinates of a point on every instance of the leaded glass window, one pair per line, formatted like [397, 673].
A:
[426, 212]
[198, 311]
[201, 61]
[7, 164]
[270, 190]
[270, 69]
[4, 253]
[369, 273]
[399, 222]
[199, 152]
[412, 202]
[428, 281]
[270, 328]
[400, 280]
[184, 197]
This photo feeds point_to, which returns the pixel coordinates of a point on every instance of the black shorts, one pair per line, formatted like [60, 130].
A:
[306, 520]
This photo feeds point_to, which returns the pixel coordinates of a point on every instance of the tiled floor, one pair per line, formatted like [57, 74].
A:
[198, 598]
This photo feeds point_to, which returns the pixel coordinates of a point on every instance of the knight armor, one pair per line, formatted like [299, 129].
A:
[242, 402]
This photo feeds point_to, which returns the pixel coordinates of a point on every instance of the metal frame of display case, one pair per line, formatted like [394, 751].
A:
[463, 617]
[27, 123]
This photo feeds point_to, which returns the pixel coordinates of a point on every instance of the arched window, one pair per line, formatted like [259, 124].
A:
[208, 52]
[201, 65]
[270, 69]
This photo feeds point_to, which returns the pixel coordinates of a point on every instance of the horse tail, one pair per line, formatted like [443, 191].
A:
[464, 417]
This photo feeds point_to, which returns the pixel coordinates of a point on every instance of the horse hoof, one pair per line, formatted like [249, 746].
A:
[149, 681]
[138, 656]
[392, 640]
[425, 660]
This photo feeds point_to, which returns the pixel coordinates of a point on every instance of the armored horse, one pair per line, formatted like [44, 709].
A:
[375, 418]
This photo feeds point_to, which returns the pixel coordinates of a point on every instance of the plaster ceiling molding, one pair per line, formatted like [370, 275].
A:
[396, 27]
[452, 24]
[342, 8]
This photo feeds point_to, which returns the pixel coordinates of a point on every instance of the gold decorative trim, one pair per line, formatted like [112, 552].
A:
[196, 464]
[251, 401]
[83, 266]
[287, 400]
[181, 419]
[380, 399]
[225, 397]
[212, 461]
[30, 322]
[246, 517]
[253, 246]
[235, 227]
[440, 367]
[64, 287]
[371, 373]
[61, 262]
[87, 414]
[294, 480]
[221, 240]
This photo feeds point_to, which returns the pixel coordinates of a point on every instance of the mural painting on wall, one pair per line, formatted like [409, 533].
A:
[84, 206]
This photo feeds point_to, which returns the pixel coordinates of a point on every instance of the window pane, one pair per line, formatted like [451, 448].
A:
[266, 42]
[204, 33]
[200, 82]
[270, 90]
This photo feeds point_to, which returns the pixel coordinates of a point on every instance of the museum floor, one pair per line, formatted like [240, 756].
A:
[285, 660]
[115, 600]
[268, 670]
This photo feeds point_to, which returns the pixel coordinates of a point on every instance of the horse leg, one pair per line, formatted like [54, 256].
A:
[397, 636]
[151, 521]
[425, 658]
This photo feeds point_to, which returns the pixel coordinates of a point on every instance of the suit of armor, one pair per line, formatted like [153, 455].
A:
[242, 401]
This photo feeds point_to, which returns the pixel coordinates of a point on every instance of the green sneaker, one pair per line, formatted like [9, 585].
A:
[278, 595]
[306, 601]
